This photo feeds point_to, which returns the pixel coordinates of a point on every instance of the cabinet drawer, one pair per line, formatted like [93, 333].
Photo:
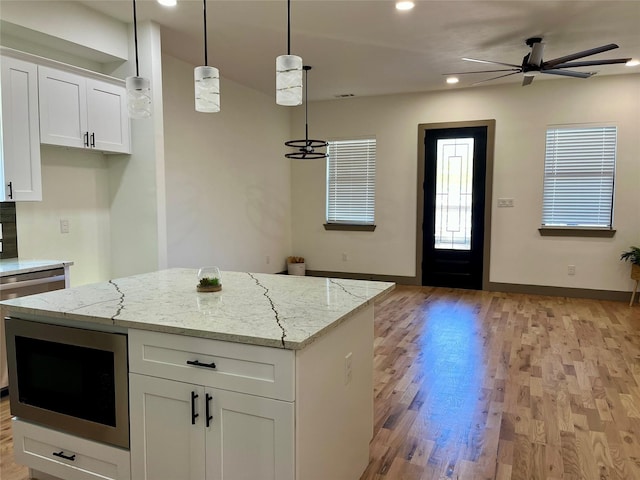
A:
[263, 371]
[36, 447]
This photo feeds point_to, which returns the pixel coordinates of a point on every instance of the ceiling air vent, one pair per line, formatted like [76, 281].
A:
[344, 95]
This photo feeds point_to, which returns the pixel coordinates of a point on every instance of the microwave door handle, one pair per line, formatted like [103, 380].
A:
[30, 283]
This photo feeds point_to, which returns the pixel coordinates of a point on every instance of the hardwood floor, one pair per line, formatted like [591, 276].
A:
[474, 385]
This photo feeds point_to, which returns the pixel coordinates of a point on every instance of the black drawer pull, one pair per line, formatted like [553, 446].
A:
[93, 139]
[200, 364]
[66, 457]
[10, 189]
[86, 139]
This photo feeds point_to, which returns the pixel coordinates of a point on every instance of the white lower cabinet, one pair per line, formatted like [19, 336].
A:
[193, 432]
[67, 456]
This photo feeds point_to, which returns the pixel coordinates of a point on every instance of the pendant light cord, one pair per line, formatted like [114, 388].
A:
[204, 3]
[135, 36]
[306, 103]
[288, 27]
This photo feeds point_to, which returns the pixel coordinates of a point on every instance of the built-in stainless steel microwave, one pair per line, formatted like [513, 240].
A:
[69, 379]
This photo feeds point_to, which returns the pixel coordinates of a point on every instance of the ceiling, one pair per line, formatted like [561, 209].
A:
[365, 47]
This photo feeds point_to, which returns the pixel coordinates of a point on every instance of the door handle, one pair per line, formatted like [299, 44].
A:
[10, 185]
[207, 402]
[194, 415]
[86, 139]
[93, 140]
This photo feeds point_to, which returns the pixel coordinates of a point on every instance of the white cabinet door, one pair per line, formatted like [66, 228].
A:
[108, 122]
[249, 437]
[19, 137]
[165, 444]
[63, 108]
[81, 112]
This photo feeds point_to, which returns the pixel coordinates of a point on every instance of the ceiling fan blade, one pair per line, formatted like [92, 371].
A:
[494, 78]
[575, 56]
[569, 73]
[535, 58]
[485, 71]
[590, 63]
[527, 80]
[489, 61]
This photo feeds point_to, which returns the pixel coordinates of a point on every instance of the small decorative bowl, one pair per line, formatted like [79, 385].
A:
[209, 280]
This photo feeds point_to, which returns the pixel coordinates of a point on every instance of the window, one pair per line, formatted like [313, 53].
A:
[351, 175]
[579, 168]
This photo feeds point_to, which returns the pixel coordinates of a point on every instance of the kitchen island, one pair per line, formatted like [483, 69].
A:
[269, 378]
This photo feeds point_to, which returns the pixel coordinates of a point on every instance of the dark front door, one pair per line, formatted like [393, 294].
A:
[454, 203]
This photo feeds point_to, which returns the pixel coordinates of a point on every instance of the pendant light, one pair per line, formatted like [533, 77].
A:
[306, 148]
[138, 88]
[207, 79]
[289, 72]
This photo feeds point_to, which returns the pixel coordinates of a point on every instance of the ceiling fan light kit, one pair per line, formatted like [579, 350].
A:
[206, 79]
[289, 72]
[533, 64]
[138, 88]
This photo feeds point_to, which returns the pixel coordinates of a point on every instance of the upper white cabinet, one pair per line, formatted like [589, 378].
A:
[82, 112]
[19, 134]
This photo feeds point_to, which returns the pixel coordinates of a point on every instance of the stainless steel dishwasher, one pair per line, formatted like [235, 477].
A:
[21, 285]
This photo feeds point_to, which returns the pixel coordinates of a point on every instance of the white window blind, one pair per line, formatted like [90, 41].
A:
[351, 175]
[579, 168]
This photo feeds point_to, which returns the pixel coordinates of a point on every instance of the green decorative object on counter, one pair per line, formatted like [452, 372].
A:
[209, 279]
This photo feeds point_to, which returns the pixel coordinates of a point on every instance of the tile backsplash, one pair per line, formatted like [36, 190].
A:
[8, 230]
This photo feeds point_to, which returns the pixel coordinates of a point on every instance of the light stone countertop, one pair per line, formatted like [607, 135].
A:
[254, 308]
[14, 266]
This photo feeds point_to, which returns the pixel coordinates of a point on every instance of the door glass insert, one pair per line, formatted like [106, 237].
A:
[454, 177]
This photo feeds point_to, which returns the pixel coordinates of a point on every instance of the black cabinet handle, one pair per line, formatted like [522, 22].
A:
[66, 457]
[194, 415]
[207, 408]
[93, 139]
[10, 189]
[86, 139]
[200, 364]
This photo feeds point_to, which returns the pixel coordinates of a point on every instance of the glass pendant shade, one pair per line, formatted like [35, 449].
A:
[289, 80]
[207, 86]
[138, 97]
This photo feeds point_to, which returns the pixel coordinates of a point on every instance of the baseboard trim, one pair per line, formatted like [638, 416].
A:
[614, 295]
[363, 276]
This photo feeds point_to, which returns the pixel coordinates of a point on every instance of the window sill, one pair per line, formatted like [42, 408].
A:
[349, 227]
[576, 232]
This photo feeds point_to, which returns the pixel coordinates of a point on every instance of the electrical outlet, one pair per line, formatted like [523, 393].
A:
[571, 269]
[344, 257]
[347, 368]
[64, 226]
[505, 202]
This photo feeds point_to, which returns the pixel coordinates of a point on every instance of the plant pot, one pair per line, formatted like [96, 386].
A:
[296, 269]
[635, 272]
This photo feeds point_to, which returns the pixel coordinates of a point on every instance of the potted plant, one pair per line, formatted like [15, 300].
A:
[295, 265]
[209, 280]
[633, 256]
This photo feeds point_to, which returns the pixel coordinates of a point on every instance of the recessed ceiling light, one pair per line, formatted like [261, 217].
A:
[405, 5]
[452, 80]
[168, 3]
[633, 63]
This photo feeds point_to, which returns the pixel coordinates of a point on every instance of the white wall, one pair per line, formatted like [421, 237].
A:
[74, 186]
[227, 181]
[518, 253]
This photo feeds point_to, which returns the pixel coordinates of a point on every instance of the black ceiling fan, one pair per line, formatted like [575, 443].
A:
[532, 63]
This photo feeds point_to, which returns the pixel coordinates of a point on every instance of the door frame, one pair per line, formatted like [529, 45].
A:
[422, 129]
